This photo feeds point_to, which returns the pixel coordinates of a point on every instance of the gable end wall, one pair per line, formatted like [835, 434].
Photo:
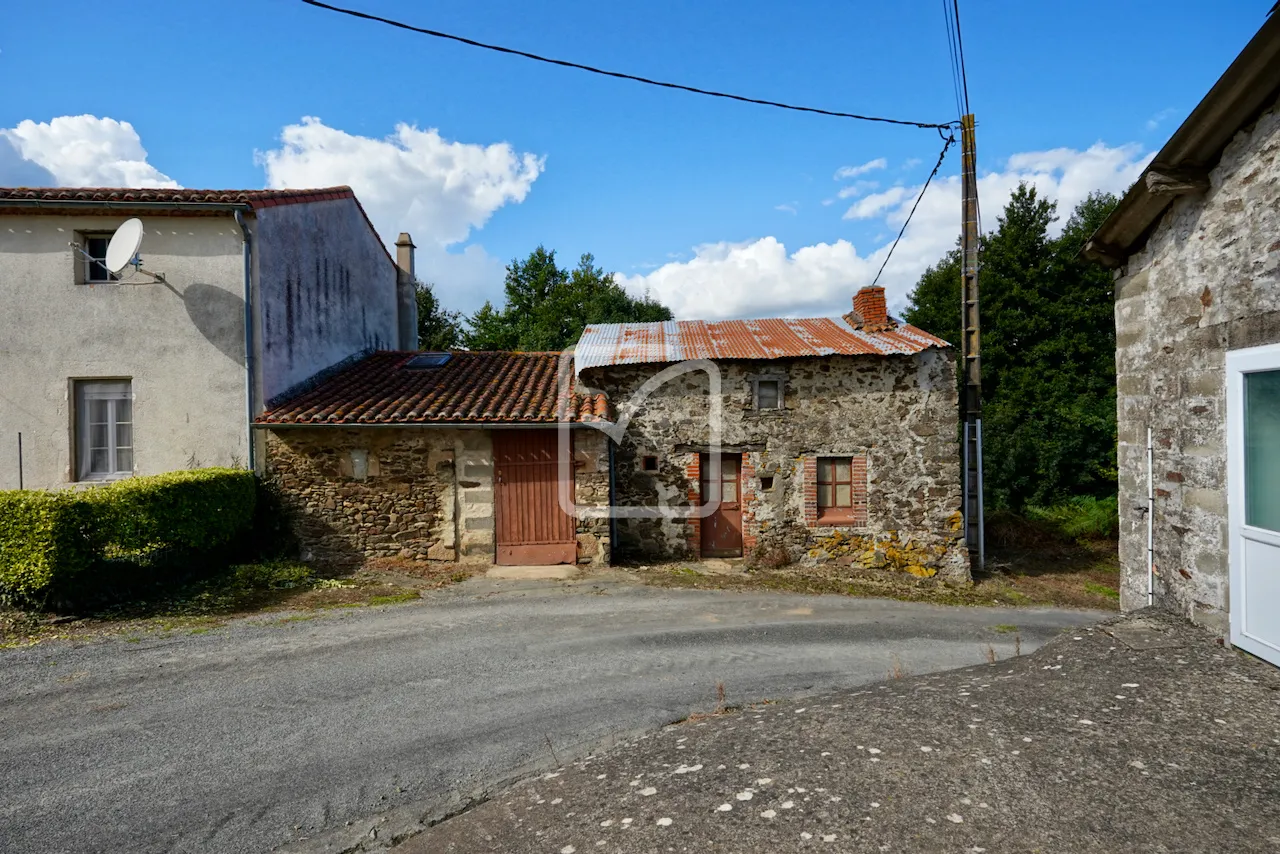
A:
[895, 416]
[1207, 281]
[327, 291]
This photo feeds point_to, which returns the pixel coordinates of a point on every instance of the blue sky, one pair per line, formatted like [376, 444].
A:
[720, 209]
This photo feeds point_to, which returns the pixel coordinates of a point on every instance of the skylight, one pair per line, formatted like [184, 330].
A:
[428, 360]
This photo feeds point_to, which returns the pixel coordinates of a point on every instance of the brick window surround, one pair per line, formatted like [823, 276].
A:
[832, 469]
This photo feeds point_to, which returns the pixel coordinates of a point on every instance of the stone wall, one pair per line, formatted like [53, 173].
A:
[1207, 281]
[897, 414]
[415, 493]
[591, 496]
[357, 493]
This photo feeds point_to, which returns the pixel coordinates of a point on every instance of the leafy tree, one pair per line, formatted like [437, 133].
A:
[547, 307]
[1048, 351]
[438, 328]
[934, 305]
[488, 330]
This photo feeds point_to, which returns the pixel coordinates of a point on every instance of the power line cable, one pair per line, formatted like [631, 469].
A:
[618, 74]
[951, 53]
[964, 77]
[964, 83]
[951, 138]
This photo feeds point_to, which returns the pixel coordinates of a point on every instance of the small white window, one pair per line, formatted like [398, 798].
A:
[93, 261]
[104, 429]
[768, 394]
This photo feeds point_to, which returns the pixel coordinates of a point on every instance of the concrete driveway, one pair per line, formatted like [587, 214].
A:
[269, 732]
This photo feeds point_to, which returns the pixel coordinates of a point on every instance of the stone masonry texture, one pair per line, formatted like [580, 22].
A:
[1207, 281]
[414, 493]
[894, 416]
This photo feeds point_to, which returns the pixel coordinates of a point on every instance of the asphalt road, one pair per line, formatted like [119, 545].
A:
[261, 733]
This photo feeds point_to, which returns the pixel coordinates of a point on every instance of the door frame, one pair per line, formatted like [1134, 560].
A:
[1239, 363]
[538, 553]
[704, 472]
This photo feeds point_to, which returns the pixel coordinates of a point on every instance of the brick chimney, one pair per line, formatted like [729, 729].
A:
[406, 298]
[869, 311]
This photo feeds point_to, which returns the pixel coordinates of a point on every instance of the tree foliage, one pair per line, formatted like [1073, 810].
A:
[438, 328]
[1048, 351]
[547, 307]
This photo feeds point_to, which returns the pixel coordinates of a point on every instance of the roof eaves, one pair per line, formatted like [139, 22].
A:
[1244, 89]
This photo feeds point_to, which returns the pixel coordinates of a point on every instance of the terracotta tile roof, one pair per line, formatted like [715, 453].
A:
[491, 388]
[123, 195]
[772, 338]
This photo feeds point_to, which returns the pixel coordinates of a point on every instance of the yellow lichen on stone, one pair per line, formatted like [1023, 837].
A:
[922, 572]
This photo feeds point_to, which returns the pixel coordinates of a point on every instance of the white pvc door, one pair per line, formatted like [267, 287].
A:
[1253, 465]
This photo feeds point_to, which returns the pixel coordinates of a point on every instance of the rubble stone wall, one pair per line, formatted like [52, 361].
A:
[420, 494]
[1206, 282]
[897, 415]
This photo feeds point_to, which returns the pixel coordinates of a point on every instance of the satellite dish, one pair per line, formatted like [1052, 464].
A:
[124, 244]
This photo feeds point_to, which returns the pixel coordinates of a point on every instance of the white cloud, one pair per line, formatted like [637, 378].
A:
[876, 203]
[760, 277]
[415, 180]
[1156, 120]
[790, 207]
[78, 151]
[846, 172]
[857, 188]
[411, 180]
[17, 171]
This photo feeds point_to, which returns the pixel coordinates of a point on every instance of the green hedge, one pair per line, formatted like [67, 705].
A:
[193, 510]
[44, 537]
[48, 539]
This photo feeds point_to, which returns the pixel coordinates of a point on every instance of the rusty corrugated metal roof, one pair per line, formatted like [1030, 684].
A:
[771, 338]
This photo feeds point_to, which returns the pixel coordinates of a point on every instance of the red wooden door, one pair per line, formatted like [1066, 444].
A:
[531, 529]
[722, 530]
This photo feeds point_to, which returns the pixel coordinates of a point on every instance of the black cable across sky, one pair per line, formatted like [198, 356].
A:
[945, 146]
[620, 75]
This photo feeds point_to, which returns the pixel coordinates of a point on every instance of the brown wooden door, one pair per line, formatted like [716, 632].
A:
[531, 528]
[722, 530]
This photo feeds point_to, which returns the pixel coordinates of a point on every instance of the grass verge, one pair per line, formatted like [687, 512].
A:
[196, 607]
[1082, 574]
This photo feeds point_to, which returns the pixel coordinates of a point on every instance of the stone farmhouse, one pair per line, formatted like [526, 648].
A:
[1195, 245]
[112, 375]
[837, 439]
[821, 440]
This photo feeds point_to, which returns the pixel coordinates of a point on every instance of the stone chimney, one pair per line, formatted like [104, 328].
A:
[869, 311]
[406, 298]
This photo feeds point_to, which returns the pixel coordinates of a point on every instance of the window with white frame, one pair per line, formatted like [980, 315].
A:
[93, 263]
[104, 429]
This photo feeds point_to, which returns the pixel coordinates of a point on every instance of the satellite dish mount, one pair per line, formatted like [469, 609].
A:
[122, 251]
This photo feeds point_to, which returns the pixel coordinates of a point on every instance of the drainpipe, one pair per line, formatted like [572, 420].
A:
[248, 337]
[1151, 523]
[613, 517]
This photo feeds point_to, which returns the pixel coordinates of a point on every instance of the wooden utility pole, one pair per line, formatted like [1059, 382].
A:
[971, 345]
